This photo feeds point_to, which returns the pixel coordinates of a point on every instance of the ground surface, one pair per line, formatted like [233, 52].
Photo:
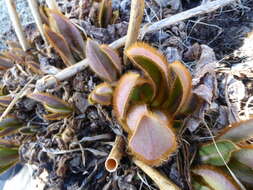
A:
[224, 31]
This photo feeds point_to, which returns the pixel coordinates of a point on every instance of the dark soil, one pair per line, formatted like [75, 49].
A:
[222, 30]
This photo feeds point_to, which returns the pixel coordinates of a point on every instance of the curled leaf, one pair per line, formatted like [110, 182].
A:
[100, 62]
[180, 91]
[9, 125]
[237, 132]
[8, 156]
[62, 25]
[5, 100]
[60, 45]
[216, 178]
[5, 63]
[134, 115]
[122, 94]
[59, 108]
[155, 67]
[209, 154]
[244, 156]
[113, 55]
[105, 13]
[153, 140]
[242, 172]
[102, 94]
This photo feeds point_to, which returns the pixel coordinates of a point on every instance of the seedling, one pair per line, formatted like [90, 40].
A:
[146, 102]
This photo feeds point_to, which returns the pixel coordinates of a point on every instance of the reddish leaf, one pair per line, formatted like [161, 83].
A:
[153, 141]
[102, 94]
[60, 24]
[113, 55]
[52, 103]
[61, 46]
[134, 115]
[155, 67]
[122, 94]
[237, 132]
[216, 178]
[100, 62]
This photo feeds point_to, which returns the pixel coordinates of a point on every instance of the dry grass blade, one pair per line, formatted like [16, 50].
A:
[161, 181]
[19, 95]
[17, 25]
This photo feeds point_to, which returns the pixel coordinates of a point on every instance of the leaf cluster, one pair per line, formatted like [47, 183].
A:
[146, 102]
[237, 154]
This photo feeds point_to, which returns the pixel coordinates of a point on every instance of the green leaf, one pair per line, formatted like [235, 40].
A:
[242, 172]
[237, 132]
[244, 156]
[8, 156]
[59, 108]
[209, 154]
[155, 67]
[180, 92]
[10, 122]
[198, 186]
[5, 100]
[216, 178]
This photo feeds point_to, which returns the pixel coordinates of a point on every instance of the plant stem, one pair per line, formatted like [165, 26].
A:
[136, 15]
[17, 25]
[33, 4]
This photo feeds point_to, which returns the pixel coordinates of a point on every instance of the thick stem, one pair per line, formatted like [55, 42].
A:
[33, 4]
[17, 25]
[136, 15]
[52, 4]
[161, 181]
[113, 160]
[48, 81]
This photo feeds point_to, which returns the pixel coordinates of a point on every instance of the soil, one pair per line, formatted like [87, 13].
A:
[224, 31]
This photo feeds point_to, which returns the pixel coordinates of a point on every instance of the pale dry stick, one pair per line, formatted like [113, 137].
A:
[17, 25]
[222, 158]
[19, 95]
[33, 4]
[51, 81]
[161, 181]
[113, 160]
[52, 4]
[136, 15]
